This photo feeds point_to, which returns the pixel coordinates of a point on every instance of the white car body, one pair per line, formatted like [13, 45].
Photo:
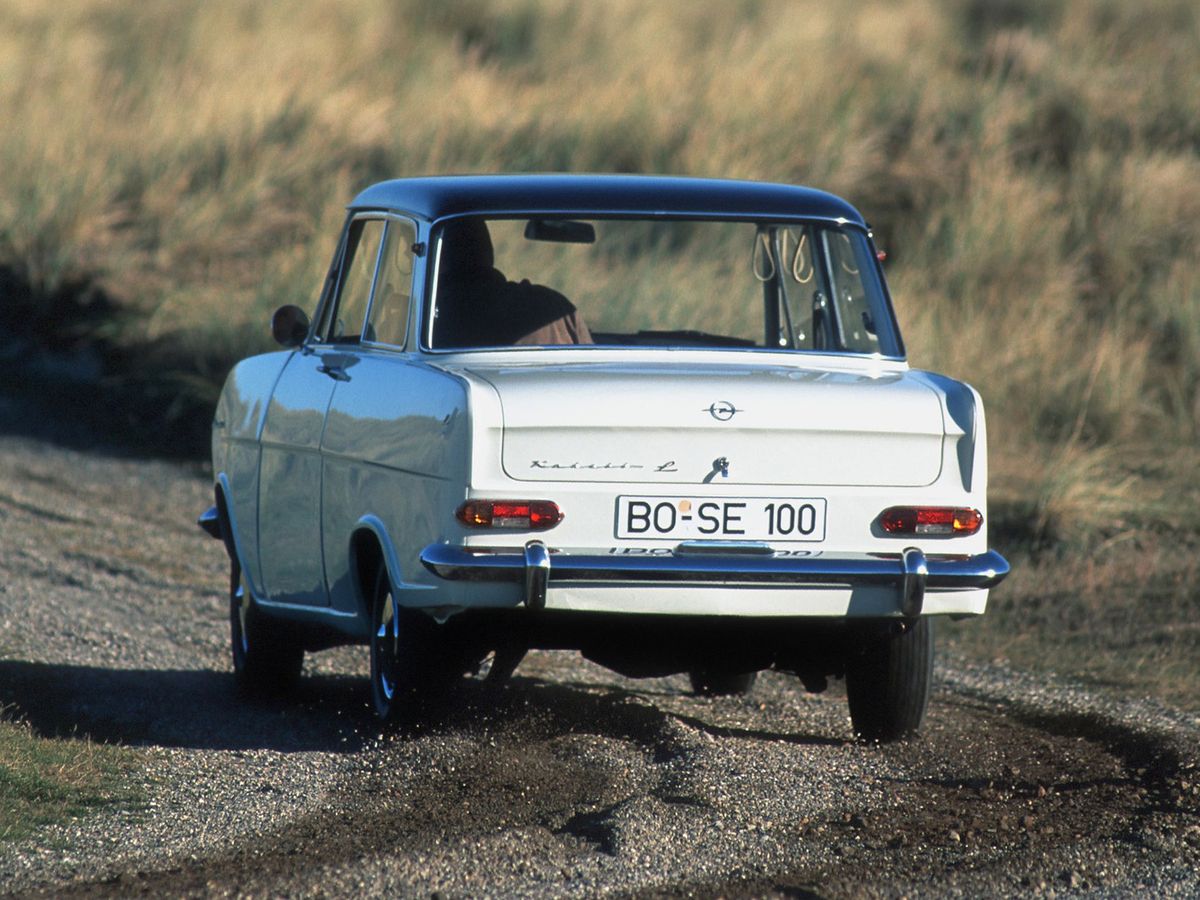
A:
[331, 450]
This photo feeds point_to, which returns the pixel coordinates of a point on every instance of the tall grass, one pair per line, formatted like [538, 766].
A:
[1033, 168]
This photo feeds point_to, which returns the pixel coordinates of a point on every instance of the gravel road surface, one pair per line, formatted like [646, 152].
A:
[572, 781]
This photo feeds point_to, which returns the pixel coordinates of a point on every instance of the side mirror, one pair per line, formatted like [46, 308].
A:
[289, 326]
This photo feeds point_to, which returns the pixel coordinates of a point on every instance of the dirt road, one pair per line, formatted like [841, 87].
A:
[571, 782]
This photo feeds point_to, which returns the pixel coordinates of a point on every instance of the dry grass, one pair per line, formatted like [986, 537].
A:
[1032, 167]
[170, 172]
[1122, 616]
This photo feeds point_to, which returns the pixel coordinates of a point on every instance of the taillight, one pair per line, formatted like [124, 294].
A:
[527, 515]
[933, 520]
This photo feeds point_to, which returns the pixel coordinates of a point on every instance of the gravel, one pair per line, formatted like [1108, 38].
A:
[571, 782]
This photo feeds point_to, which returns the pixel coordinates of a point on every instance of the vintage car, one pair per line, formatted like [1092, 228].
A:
[664, 422]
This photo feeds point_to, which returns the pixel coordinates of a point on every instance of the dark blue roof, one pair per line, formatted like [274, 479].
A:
[456, 195]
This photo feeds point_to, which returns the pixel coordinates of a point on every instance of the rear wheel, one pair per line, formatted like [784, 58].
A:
[717, 684]
[888, 683]
[411, 660]
[389, 687]
[266, 658]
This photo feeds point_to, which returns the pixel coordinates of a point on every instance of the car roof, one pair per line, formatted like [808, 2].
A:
[458, 195]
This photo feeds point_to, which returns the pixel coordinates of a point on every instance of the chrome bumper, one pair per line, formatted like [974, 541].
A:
[911, 572]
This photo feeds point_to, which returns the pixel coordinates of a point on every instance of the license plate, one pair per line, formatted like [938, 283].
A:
[728, 518]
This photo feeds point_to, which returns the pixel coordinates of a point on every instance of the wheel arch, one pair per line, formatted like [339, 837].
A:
[370, 548]
[225, 515]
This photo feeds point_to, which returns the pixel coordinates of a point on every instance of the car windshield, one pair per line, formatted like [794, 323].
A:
[658, 282]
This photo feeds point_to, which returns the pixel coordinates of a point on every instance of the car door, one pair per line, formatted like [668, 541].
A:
[291, 474]
[367, 427]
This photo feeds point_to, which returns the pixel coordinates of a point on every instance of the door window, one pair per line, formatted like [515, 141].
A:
[358, 272]
[387, 322]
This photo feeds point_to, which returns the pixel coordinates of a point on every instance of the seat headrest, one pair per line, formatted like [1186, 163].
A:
[466, 248]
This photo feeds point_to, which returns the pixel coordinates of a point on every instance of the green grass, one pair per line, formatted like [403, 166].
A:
[45, 781]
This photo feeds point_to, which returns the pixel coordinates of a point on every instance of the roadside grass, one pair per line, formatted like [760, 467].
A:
[1105, 584]
[176, 171]
[1124, 617]
[50, 781]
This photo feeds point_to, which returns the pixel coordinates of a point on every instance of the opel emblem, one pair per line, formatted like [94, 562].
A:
[722, 410]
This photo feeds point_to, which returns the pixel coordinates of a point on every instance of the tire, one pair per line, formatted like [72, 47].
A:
[266, 658]
[412, 663]
[709, 683]
[888, 684]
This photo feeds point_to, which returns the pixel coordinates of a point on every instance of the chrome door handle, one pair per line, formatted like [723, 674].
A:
[337, 373]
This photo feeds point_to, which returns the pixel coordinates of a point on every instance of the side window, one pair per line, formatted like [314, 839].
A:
[358, 271]
[388, 319]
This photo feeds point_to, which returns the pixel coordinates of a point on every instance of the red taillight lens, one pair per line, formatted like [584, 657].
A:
[528, 515]
[933, 520]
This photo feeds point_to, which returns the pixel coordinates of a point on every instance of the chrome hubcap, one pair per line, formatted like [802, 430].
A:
[242, 600]
[387, 640]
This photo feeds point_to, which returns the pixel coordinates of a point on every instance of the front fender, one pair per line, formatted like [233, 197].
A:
[231, 534]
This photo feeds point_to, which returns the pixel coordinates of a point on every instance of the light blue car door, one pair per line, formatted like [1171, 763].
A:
[366, 428]
[291, 472]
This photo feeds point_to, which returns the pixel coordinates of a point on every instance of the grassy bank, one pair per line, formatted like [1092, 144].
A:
[46, 781]
[173, 171]
[1120, 615]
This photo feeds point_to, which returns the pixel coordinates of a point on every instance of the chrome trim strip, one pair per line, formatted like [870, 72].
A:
[912, 588]
[723, 548]
[800, 357]
[509, 564]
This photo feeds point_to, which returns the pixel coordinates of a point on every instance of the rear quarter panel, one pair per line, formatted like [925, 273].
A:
[396, 449]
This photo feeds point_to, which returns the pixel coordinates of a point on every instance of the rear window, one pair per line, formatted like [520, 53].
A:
[658, 282]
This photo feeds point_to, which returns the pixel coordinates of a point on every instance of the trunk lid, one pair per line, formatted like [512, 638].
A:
[673, 424]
